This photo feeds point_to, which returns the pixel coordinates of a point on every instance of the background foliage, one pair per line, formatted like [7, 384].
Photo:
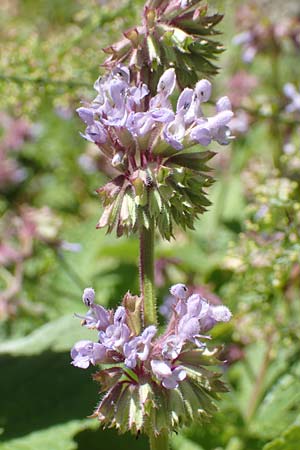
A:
[245, 250]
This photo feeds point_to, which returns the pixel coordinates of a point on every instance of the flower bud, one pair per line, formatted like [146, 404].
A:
[88, 297]
[179, 290]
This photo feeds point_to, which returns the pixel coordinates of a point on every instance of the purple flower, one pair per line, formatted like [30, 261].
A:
[138, 93]
[201, 134]
[85, 353]
[170, 376]
[174, 132]
[214, 315]
[116, 334]
[86, 115]
[95, 133]
[167, 307]
[140, 124]
[119, 115]
[88, 297]
[203, 90]
[139, 347]
[185, 100]
[167, 83]
[179, 291]
[291, 92]
[97, 316]
[172, 346]
[223, 104]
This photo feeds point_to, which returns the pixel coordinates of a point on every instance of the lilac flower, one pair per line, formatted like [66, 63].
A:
[169, 375]
[179, 291]
[145, 354]
[86, 115]
[167, 83]
[88, 297]
[118, 116]
[167, 306]
[247, 39]
[139, 347]
[97, 317]
[95, 133]
[291, 92]
[85, 353]
[116, 334]
[174, 132]
[214, 315]
[172, 346]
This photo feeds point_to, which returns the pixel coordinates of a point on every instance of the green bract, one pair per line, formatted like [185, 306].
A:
[171, 36]
[144, 406]
[171, 194]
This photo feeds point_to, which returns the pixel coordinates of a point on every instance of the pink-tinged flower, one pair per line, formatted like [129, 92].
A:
[169, 376]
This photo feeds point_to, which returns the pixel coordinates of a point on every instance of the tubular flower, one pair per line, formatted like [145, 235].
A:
[151, 378]
[143, 137]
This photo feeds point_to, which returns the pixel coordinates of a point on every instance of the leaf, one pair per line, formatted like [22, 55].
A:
[59, 437]
[195, 161]
[182, 443]
[280, 405]
[58, 335]
[289, 440]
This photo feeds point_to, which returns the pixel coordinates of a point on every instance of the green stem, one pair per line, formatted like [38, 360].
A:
[160, 442]
[147, 273]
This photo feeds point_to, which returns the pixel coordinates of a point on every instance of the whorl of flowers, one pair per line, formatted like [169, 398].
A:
[152, 380]
[153, 147]
[173, 33]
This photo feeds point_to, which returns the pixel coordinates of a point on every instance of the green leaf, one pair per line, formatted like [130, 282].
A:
[58, 437]
[289, 440]
[195, 161]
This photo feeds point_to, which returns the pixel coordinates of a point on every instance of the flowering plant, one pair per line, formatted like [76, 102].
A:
[154, 383]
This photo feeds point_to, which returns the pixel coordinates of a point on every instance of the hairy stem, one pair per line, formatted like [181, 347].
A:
[160, 442]
[147, 273]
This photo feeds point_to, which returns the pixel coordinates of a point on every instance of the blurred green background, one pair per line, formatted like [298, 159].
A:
[244, 252]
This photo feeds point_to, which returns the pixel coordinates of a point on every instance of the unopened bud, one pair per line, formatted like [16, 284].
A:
[179, 291]
[88, 297]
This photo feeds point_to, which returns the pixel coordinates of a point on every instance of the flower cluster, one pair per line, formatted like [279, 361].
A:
[144, 360]
[123, 121]
[142, 137]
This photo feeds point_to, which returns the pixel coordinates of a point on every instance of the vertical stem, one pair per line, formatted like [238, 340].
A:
[147, 273]
[275, 131]
[258, 386]
[160, 442]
